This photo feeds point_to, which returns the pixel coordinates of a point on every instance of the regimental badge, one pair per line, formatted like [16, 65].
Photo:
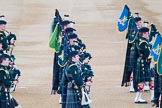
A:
[123, 20]
[156, 50]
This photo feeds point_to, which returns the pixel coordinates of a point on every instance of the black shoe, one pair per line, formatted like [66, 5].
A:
[141, 102]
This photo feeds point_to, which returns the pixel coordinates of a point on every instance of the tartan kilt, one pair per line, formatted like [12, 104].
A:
[72, 99]
[142, 73]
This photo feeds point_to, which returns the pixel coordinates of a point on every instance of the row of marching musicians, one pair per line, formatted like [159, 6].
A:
[9, 74]
[72, 73]
[142, 57]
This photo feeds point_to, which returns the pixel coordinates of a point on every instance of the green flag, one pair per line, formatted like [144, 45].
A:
[55, 41]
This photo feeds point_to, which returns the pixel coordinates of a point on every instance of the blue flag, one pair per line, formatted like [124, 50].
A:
[156, 48]
[123, 19]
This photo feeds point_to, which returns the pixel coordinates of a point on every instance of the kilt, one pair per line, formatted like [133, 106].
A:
[72, 99]
[142, 72]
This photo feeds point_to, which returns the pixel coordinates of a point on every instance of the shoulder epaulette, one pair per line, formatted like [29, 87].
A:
[142, 41]
[2, 69]
[72, 65]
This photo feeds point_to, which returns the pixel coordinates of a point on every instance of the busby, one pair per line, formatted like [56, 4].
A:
[136, 19]
[72, 36]
[2, 20]
[143, 29]
[72, 54]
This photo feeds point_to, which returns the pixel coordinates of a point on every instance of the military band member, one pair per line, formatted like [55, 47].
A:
[57, 61]
[73, 83]
[6, 100]
[5, 81]
[130, 60]
[142, 72]
[133, 50]
[3, 36]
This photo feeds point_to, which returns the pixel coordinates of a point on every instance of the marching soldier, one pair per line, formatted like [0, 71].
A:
[73, 83]
[134, 25]
[8, 39]
[133, 50]
[142, 72]
[3, 36]
[6, 100]
[58, 62]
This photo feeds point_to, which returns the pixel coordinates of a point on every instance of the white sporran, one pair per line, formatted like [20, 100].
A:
[85, 98]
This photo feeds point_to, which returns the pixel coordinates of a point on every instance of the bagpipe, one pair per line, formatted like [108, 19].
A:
[9, 41]
[14, 72]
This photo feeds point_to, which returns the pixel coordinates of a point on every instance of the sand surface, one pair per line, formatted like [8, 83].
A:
[96, 25]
